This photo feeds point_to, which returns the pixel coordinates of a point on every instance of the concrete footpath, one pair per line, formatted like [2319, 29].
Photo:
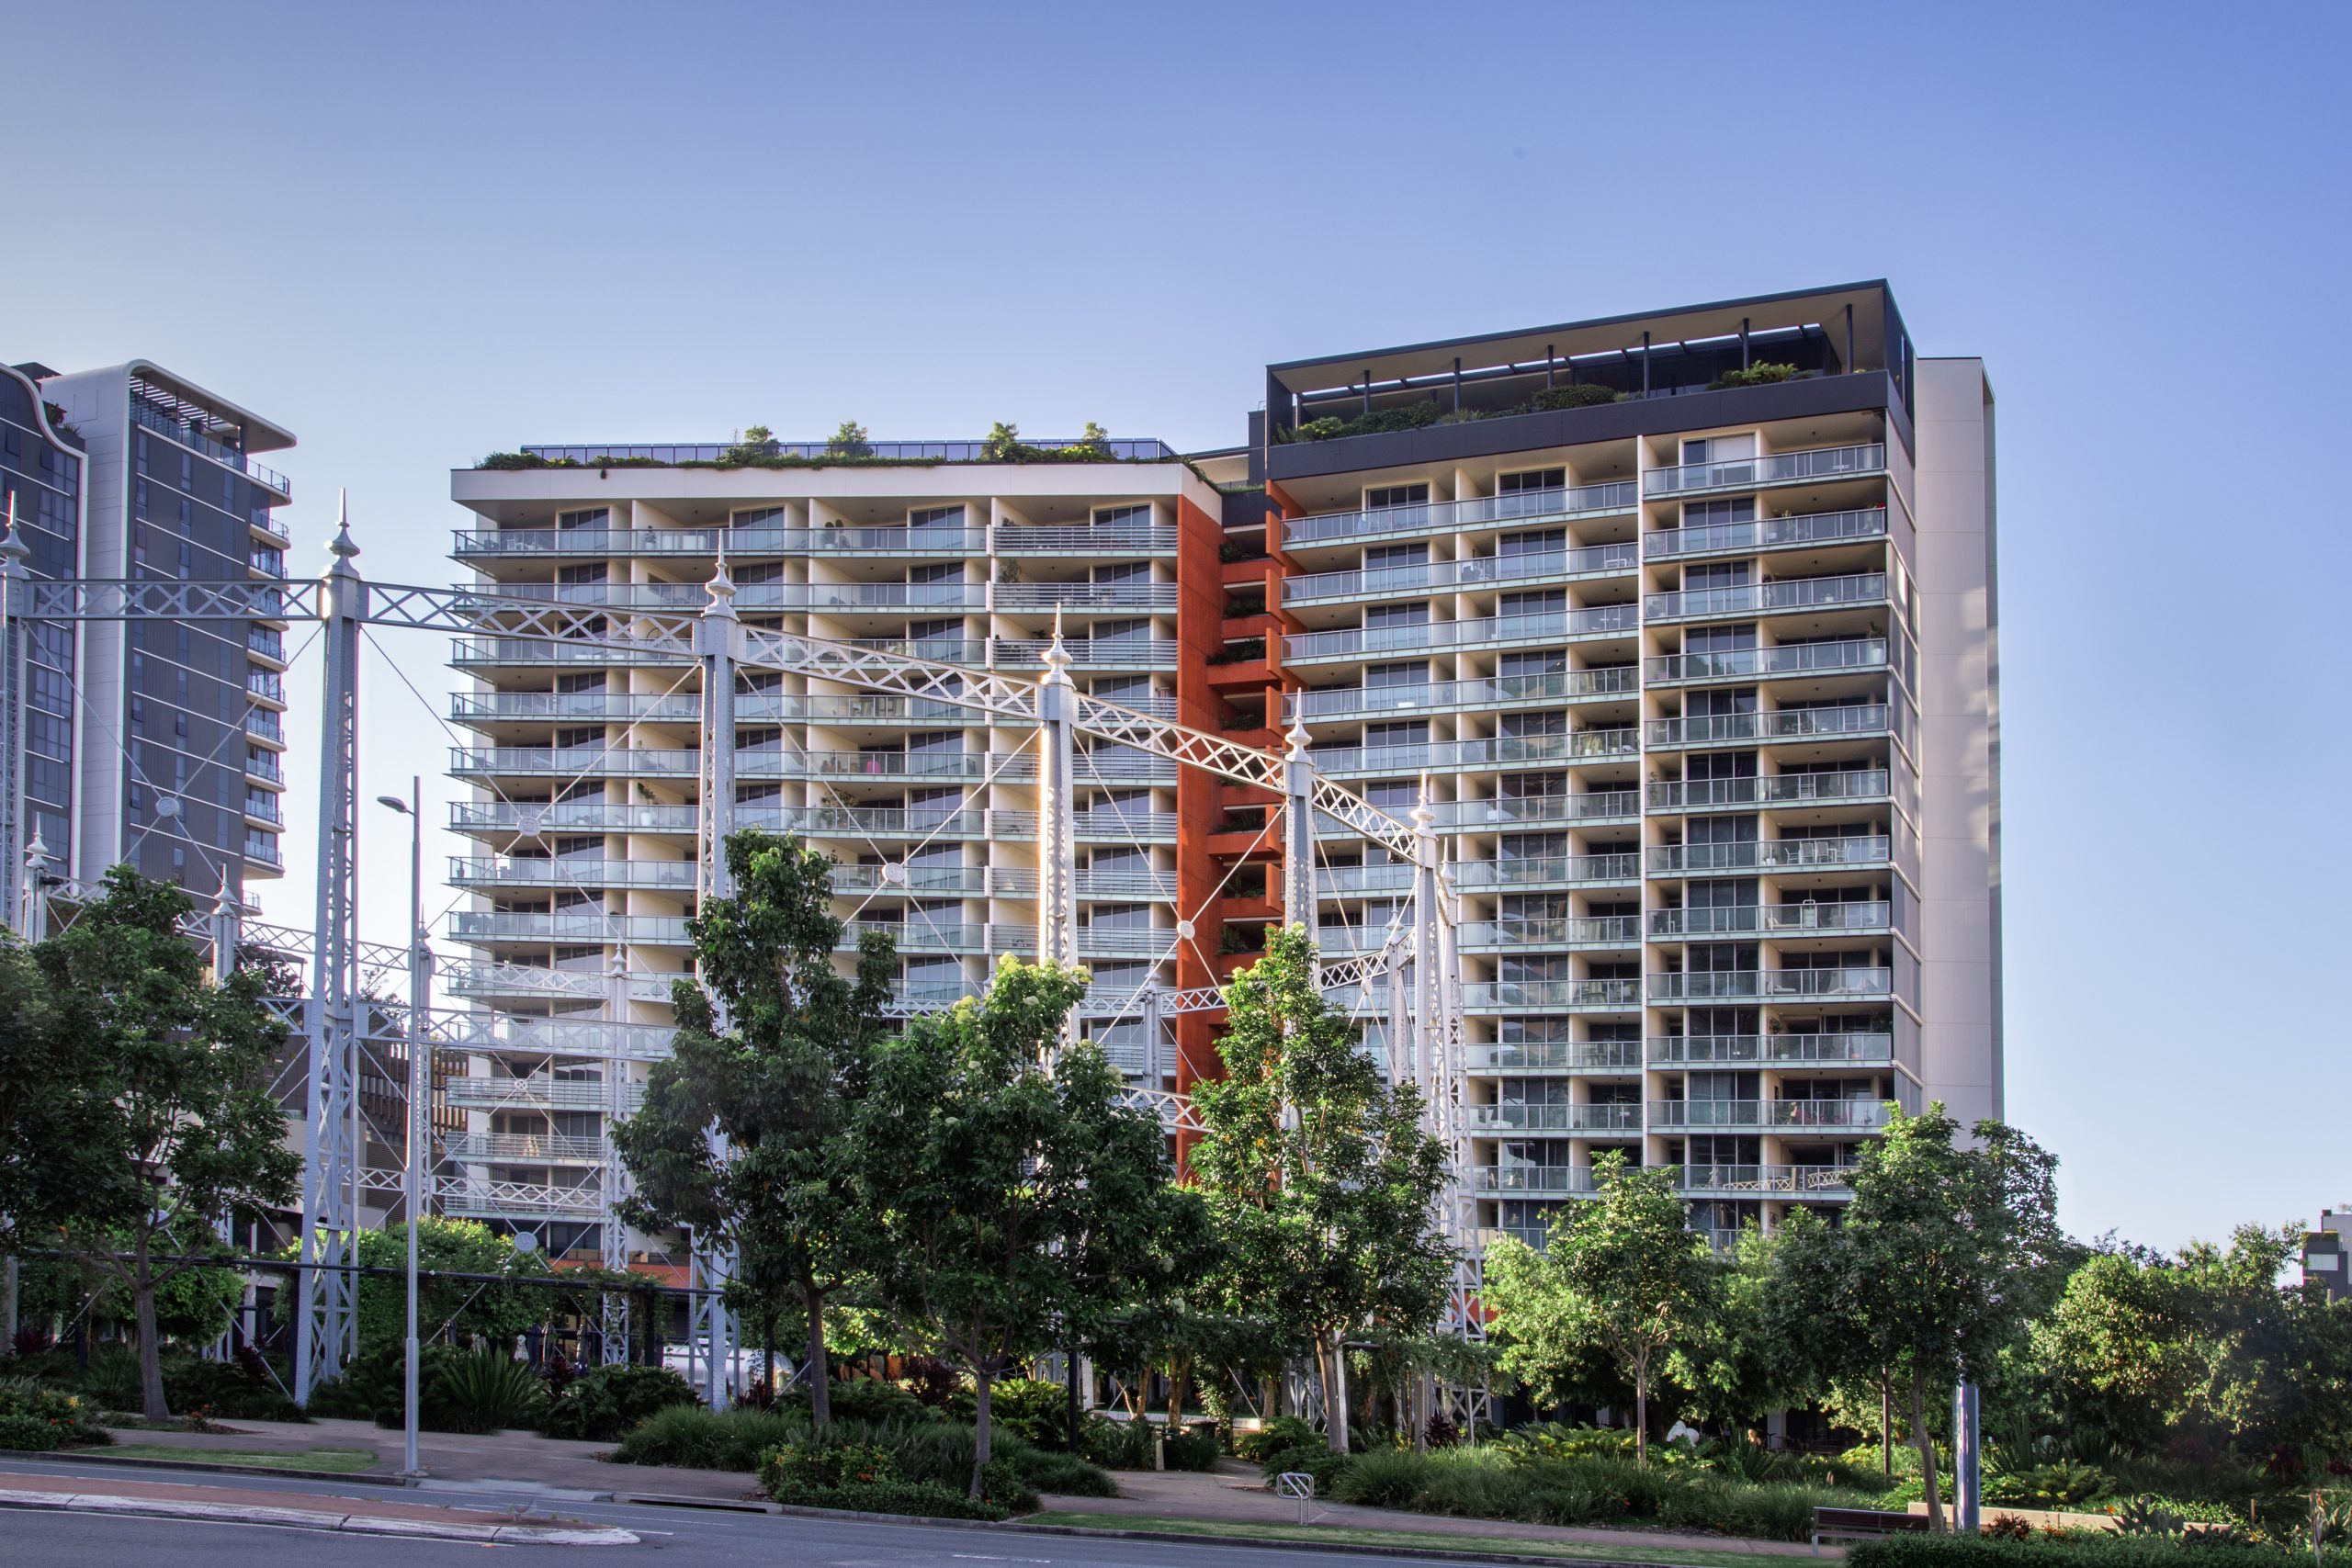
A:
[130, 1494]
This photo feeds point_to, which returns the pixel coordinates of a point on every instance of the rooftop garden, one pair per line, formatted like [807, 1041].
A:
[849, 447]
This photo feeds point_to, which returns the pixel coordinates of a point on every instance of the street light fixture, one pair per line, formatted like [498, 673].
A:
[418, 1089]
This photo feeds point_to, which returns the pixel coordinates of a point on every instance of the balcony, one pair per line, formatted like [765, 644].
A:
[1774, 724]
[1776, 596]
[1021, 882]
[539, 1092]
[1867, 653]
[1555, 625]
[268, 642]
[264, 725]
[1595, 930]
[1519, 996]
[1522, 508]
[261, 848]
[264, 765]
[524, 1148]
[1091, 539]
[1106, 596]
[1861, 982]
[513, 1200]
[1099, 653]
[582, 925]
[1549, 870]
[1767, 1180]
[263, 808]
[150, 418]
[1507, 811]
[1770, 854]
[1347, 702]
[1549, 1180]
[1513, 1117]
[570, 871]
[268, 561]
[1502, 750]
[472, 652]
[1468, 572]
[1553, 1057]
[265, 685]
[1808, 918]
[1770, 468]
[1777, 789]
[1767, 533]
[1771, 1050]
[1855, 1115]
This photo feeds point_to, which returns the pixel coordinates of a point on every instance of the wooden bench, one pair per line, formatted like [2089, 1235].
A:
[1862, 1524]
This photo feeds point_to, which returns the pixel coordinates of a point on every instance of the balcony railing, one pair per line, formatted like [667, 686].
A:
[1521, 508]
[1857, 981]
[1767, 533]
[1512, 1116]
[1094, 539]
[1785, 1180]
[1621, 866]
[263, 765]
[1779, 919]
[1503, 811]
[1545, 1179]
[268, 642]
[262, 848]
[1766, 598]
[263, 725]
[1127, 449]
[1553, 1057]
[523, 1148]
[566, 926]
[570, 871]
[1590, 930]
[1787, 659]
[1104, 652]
[1471, 571]
[539, 1092]
[1771, 468]
[1336, 701]
[266, 684]
[1513, 996]
[221, 452]
[1600, 620]
[1770, 854]
[1502, 750]
[1778, 789]
[1776, 723]
[756, 543]
[1860, 1116]
[1770, 1050]
[1086, 595]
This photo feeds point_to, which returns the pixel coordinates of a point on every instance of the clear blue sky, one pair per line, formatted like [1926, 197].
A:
[418, 233]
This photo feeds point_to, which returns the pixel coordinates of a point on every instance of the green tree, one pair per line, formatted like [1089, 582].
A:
[1942, 1259]
[1003, 442]
[1623, 1272]
[171, 1095]
[1320, 1177]
[849, 441]
[772, 1054]
[986, 1159]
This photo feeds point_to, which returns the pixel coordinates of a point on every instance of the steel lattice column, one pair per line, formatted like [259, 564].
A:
[325, 1325]
[1057, 834]
[14, 577]
[716, 633]
[1298, 833]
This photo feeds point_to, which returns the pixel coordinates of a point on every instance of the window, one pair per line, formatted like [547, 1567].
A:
[590, 517]
[1382, 498]
[1381, 615]
[1104, 516]
[936, 571]
[1529, 491]
[936, 516]
[759, 517]
[1533, 661]
[1378, 676]
[1123, 571]
[1533, 542]
[1402, 732]
[1384, 556]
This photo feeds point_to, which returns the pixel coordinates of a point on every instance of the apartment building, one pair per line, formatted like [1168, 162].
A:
[1680, 627]
[157, 743]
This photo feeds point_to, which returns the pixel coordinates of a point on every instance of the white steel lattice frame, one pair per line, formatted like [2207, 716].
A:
[338, 1023]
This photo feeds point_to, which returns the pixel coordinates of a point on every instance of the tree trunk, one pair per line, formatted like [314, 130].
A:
[1926, 1442]
[1887, 1427]
[1333, 1359]
[1070, 1378]
[821, 1378]
[150, 1350]
[1642, 1410]
[981, 1381]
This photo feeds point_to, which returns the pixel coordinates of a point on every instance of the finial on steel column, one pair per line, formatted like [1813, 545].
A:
[1297, 737]
[340, 546]
[1057, 660]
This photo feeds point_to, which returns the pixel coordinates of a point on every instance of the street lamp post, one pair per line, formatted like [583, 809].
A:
[419, 1089]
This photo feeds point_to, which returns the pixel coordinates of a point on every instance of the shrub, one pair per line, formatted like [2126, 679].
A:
[1583, 395]
[1763, 375]
[692, 1438]
[863, 1399]
[867, 1477]
[228, 1389]
[1386, 1478]
[1034, 1411]
[1115, 1445]
[481, 1392]
[2062, 1484]
[602, 1404]
[1190, 1450]
[111, 1380]
[1065, 1474]
[1316, 1459]
[1274, 1434]
[2080, 1549]
[34, 1418]
[823, 1466]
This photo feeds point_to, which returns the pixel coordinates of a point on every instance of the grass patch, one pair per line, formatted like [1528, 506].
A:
[1433, 1542]
[342, 1461]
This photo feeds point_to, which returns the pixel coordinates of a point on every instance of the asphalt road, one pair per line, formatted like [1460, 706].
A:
[679, 1537]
